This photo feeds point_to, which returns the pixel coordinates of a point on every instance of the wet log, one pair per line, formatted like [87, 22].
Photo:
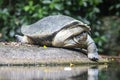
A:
[16, 53]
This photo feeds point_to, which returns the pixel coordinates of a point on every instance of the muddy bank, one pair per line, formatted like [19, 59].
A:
[16, 53]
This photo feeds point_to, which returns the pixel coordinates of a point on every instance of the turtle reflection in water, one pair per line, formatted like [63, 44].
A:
[60, 31]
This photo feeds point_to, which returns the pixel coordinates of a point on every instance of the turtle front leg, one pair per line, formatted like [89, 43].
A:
[64, 39]
[91, 49]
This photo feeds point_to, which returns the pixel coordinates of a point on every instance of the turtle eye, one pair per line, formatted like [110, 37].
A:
[81, 37]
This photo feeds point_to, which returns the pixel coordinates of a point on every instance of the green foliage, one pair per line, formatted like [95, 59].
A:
[115, 7]
[15, 13]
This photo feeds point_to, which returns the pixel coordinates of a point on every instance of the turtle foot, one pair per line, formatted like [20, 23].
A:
[93, 56]
[22, 39]
[19, 38]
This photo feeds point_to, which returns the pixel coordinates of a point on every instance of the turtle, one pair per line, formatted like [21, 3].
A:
[60, 31]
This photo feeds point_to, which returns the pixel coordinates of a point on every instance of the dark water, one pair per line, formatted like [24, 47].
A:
[86, 72]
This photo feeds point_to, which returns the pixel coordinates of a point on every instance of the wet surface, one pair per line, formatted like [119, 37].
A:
[48, 72]
[81, 72]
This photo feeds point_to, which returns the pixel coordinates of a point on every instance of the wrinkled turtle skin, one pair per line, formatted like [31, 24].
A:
[60, 31]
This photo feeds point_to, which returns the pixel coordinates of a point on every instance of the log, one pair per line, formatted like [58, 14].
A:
[13, 53]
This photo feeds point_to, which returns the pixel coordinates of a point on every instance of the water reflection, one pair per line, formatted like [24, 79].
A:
[93, 73]
[49, 73]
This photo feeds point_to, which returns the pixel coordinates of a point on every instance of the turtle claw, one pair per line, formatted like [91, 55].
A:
[94, 59]
[93, 56]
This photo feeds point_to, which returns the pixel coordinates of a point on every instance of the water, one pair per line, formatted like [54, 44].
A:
[82, 72]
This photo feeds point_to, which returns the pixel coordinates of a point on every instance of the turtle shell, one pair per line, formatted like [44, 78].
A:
[50, 25]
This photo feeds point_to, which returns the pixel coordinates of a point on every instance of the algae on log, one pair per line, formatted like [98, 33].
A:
[16, 53]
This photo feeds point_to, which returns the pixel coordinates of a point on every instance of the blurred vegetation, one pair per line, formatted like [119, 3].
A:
[15, 13]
